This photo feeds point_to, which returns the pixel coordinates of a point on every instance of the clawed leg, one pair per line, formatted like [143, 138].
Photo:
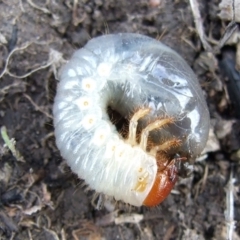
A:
[166, 145]
[134, 123]
[158, 124]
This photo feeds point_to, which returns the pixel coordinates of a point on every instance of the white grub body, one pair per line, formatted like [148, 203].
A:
[124, 72]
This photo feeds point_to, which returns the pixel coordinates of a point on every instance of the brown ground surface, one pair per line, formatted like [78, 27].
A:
[40, 197]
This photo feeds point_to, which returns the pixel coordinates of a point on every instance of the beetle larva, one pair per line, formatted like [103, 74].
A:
[152, 89]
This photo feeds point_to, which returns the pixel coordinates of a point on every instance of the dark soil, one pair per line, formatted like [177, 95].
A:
[40, 197]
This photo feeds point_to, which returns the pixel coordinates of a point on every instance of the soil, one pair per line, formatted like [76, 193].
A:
[40, 197]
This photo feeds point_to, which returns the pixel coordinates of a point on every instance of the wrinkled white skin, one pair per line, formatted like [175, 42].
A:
[126, 72]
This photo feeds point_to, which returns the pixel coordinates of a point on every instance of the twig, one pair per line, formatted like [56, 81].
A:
[21, 6]
[10, 143]
[230, 35]
[129, 218]
[230, 29]
[229, 212]
[75, 19]
[37, 108]
[55, 60]
[5, 70]
[31, 72]
[17, 86]
[204, 179]
[199, 24]
[37, 7]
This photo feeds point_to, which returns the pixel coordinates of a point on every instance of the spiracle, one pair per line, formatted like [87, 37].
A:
[128, 109]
